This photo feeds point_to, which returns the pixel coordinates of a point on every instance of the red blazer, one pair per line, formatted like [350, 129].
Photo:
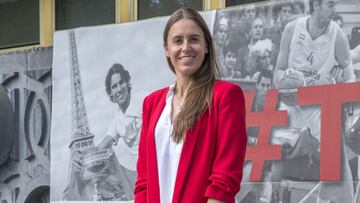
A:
[213, 153]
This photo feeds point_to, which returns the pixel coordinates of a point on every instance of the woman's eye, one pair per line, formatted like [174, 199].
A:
[194, 39]
[177, 41]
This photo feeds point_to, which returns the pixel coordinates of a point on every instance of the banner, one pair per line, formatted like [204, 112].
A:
[302, 122]
[303, 125]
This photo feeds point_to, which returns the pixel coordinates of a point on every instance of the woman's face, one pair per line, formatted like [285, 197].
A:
[186, 47]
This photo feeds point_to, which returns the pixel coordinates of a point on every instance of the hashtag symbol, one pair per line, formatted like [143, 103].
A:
[264, 120]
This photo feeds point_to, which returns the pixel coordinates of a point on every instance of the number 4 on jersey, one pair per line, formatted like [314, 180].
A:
[310, 58]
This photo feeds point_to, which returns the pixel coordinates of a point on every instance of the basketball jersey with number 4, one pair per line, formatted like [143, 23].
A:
[314, 58]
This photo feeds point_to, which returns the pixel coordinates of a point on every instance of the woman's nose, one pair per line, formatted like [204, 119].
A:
[186, 45]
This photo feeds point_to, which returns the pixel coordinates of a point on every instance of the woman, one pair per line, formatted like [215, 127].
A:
[193, 136]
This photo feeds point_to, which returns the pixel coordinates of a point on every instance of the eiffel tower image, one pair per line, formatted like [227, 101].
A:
[81, 138]
[89, 167]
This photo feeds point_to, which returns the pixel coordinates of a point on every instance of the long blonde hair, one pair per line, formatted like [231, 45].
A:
[199, 95]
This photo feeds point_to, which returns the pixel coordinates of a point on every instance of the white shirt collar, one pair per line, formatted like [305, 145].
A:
[170, 94]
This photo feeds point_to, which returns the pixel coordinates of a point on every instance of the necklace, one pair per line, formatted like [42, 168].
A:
[177, 103]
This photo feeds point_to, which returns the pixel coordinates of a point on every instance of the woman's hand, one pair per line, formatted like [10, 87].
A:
[214, 201]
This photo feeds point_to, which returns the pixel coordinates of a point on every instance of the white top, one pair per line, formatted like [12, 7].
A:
[314, 58]
[128, 128]
[167, 151]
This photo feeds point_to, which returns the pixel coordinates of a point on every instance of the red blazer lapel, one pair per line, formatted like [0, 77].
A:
[153, 176]
[189, 145]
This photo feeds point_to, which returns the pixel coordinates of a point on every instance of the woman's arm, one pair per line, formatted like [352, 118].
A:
[226, 172]
[141, 180]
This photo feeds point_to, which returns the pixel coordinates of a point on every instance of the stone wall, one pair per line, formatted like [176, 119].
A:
[25, 81]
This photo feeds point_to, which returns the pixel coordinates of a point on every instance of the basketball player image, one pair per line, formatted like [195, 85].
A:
[310, 48]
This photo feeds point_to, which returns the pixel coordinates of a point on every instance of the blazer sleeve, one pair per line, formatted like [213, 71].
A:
[141, 180]
[226, 173]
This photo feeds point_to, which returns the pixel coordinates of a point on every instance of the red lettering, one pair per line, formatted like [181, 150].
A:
[265, 120]
[330, 98]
